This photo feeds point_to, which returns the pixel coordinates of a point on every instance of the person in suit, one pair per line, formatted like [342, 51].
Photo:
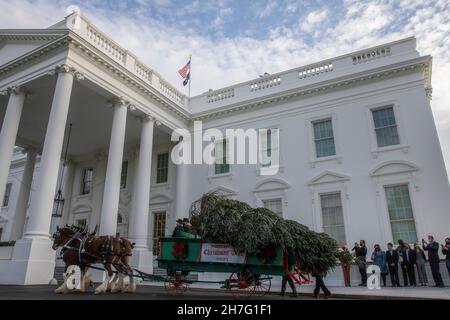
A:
[379, 259]
[433, 258]
[420, 265]
[409, 257]
[446, 253]
[392, 259]
[360, 254]
[400, 250]
[320, 284]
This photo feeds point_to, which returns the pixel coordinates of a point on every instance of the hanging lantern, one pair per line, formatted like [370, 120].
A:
[58, 205]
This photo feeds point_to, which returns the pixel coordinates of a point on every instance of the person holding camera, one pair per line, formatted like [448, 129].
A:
[433, 257]
[446, 252]
[420, 264]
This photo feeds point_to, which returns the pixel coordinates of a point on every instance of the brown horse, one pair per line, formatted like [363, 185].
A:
[83, 249]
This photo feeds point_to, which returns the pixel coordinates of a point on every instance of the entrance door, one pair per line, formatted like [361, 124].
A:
[159, 230]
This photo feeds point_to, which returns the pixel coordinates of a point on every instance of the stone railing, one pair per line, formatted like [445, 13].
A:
[371, 55]
[315, 70]
[106, 45]
[169, 91]
[265, 82]
[220, 95]
[143, 72]
[126, 59]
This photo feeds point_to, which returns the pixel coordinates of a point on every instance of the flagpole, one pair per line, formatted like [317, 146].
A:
[190, 74]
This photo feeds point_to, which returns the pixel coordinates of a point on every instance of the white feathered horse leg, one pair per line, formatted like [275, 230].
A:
[105, 284]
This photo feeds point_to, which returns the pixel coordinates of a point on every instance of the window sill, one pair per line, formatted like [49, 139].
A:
[314, 162]
[228, 175]
[260, 170]
[161, 185]
[403, 147]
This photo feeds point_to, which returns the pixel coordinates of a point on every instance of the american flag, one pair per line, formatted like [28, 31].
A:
[185, 72]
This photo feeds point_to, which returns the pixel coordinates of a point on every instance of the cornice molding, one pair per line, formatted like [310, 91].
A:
[348, 81]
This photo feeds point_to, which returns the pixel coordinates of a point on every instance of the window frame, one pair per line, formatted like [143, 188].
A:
[158, 169]
[226, 156]
[163, 228]
[389, 221]
[280, 198]
[124, 175]
[313, 123]
[322, 194]
[7, 196]
[83, 181]
[376, 130]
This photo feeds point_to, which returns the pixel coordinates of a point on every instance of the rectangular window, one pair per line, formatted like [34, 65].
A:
[324, 138]
[1, 233]
[274, 205]
[86, 185]
[7, 195]
[332, 216]
[385, 127]
[401, 213]
[221, 153]
[124, 175]
[269, 142]
[159, 230]
[81, 223]
[162, 168]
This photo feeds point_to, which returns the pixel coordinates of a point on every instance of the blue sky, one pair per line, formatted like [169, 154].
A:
[234, 41]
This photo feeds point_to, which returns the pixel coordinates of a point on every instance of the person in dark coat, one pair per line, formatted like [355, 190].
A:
[409, 257]
[360, 254]
[392, 259]
[446, 253]
[433, 257]
[320, 285]
[400, 249]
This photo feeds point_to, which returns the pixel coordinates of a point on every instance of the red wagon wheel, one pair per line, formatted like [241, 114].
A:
[241, 284]
[176, 285]
[262, 285]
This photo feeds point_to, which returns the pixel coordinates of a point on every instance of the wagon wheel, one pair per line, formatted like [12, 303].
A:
[241, 284]
[176, 285]
[262, 285]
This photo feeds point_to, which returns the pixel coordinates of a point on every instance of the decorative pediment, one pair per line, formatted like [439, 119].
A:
[160, 198]
[82, 209]
[13, 47]
[224, 191]
[393, 167]
[328, 177]
[271, 184]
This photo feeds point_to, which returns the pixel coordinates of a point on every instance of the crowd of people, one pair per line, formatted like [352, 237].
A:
[409, 259]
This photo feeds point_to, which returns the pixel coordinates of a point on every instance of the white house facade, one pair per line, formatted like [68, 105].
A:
[359, 152]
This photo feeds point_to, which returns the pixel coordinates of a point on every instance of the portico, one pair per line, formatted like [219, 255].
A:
[110, 120]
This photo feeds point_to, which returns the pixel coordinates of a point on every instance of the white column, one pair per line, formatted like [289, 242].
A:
[8, 133]
[111, 194]
[69, 175]
[182, 204]
[24, 195]
[141, 190]
[42, 200]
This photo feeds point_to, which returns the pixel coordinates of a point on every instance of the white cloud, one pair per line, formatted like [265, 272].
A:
[220, 61]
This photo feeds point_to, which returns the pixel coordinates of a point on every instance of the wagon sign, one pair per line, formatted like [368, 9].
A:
[221, 253]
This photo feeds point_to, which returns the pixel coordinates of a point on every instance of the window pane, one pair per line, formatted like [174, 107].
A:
[124, 174]
[324, 138]
[162, 172]
[7, 195]
[87, 181]
[332, 216]
[221, 166]
[274, 205]
[159, 230]
[400, 213]
[385, 127]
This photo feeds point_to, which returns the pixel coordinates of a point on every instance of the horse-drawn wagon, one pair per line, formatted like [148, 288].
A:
[250, 275]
